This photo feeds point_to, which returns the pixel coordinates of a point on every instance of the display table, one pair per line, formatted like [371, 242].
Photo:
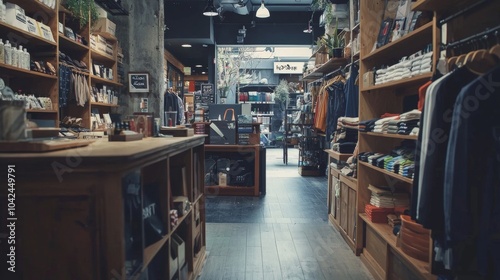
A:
[71, 208]
[244, 167]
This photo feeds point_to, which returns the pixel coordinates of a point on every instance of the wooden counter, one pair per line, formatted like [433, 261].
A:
[70, 209]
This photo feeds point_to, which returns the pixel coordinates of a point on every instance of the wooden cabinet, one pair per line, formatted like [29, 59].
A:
[243, 159]
[83, 213]
[342, 199]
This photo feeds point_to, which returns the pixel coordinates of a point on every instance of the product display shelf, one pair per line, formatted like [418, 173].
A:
[329, 66]
[337, 155]
[33, 40]
[389, 135]
[36, 6]
[151, 251]
[97, 79]
[68, 44]
[392, 174]
[400, 84]
[20, 72]
[432, 5]
[385, 232]
[102, 57]
[406, 45]
[103, 104]
[236, 151]
[41, 111]
[106, 35]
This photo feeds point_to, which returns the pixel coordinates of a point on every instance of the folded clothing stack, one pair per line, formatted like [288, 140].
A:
[411, 66]
[368, 125]
[385, 197]
[377, 214]
[382, 125]
[400, 160]
[344, 148]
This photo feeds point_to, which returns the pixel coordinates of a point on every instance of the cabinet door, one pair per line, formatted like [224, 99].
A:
[334, 197]
[352, 214]
[344, 200]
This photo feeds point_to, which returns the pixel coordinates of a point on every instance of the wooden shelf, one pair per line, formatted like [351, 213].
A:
[106, 36]
[229, 190]
[321, 49]
[431, 5]
[103, 104]
[101, 57]
[337, 155]
[392, 174]
[151, 251]
[401, 84]
[41, 111]
[19, 72]
[389, 135]
[403, 46]
[327, 67]
[385, 232]
[96, 79]
[31, 7]
[68, 44]
[34, 40]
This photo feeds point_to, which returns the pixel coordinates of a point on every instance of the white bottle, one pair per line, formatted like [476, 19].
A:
[26, 59]
[20, 58]
[2, 55]
[15, 57]
[3, 12]
[8, 53]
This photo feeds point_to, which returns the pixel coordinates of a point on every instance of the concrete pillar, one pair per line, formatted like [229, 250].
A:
[141, 37]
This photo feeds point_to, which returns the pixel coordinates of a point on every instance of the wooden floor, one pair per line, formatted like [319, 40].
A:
[282, 235]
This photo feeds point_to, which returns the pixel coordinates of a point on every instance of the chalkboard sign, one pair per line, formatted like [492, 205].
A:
[138, 82]
[204, 97]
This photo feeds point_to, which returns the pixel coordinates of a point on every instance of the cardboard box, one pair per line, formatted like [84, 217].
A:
[368, 79]
[101, 47]
[32, 26]
[109, 49]
[101, 40]
[46, 32]
[105, 25]
[15, 16]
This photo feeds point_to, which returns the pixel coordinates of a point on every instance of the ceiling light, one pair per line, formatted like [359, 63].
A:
[203, 72]
[210, 10]
[262, 12]
[186, 45]
[198, 65]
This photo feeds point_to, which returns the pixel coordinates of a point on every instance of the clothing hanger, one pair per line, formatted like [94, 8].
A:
[482, 61]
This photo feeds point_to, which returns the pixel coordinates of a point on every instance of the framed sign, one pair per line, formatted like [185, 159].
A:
[138, 82]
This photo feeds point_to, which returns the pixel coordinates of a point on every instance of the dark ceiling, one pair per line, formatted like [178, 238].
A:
[185, 23]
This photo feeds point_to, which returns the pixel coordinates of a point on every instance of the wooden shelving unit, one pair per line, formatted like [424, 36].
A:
[337, 155]
[384, 231]
[19, 72]
[34, 40]
[103, 104]
[69, 44]
[400, 84]
[391, 174]
[389, 135]
[97, 79]
[112, 173]
[236, 152]
[329, 66]
[41, 111]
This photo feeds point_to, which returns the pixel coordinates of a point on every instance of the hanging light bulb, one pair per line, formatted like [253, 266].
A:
[210, 10]
[262, 12]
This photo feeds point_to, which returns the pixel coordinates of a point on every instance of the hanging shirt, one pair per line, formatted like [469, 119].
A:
[472, 178]
[352, 94]
[335, 107]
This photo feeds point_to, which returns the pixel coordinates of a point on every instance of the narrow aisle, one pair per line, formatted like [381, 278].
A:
[282, 235]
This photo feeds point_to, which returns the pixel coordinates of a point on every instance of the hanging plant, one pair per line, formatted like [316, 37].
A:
[81, 9]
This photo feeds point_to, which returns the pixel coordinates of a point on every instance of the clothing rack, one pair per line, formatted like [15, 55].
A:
[472, 38]
[463, 12]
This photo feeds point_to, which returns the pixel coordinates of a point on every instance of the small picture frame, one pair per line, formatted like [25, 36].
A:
[385, 32]
[138, 82]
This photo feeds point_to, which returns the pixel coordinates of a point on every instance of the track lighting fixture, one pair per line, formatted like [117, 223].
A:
[210, 10]
[262, 12]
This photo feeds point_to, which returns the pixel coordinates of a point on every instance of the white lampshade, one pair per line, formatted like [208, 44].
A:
[262, 12]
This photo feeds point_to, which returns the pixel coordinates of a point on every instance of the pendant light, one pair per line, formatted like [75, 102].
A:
[210, 10]
[262, 12]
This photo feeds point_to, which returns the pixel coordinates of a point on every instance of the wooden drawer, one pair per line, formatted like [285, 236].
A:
[377, 247]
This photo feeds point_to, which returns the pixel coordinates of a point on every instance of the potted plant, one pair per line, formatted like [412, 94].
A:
[281, 92]
[333, 42]
[81, 10]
